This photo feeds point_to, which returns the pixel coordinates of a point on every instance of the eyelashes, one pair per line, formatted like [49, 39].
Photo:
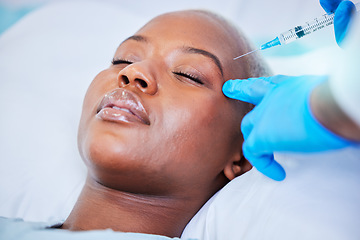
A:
[178, 73]
[120, 61]
[189, 76]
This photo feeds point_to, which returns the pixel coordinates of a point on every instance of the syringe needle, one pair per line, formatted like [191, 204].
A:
[246, 54]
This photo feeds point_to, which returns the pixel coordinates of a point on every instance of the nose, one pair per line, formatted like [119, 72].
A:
[138, 75]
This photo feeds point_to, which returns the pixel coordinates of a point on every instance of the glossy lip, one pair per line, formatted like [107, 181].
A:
[122, 105]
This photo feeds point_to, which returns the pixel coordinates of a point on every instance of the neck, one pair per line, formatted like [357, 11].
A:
[99, 207]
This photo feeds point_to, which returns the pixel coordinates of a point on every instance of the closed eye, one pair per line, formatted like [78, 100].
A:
[189, 76]
[120, 61]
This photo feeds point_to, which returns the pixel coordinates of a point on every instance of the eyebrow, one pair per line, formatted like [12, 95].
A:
[214, 58]
[185, 49]
[137, 38]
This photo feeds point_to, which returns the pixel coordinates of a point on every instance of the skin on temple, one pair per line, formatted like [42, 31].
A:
[152, 175]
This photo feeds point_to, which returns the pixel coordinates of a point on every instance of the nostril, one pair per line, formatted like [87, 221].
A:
[125, 79]
[143, 84]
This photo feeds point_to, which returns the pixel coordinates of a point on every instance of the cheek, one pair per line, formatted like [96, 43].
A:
[200, 135]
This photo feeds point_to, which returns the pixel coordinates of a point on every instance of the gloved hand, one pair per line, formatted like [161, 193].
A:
[282, 120]
[343, 11]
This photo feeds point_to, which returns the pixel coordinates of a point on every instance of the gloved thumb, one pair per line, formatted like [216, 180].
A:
[342, 19]
[330, 5]
[265, 164]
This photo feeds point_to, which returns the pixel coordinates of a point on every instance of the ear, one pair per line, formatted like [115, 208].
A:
[236, 167]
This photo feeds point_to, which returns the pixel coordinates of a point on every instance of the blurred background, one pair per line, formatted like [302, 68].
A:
[258, 19]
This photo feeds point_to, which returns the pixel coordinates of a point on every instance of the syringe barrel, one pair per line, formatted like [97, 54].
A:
[300, 31]
[309, 27]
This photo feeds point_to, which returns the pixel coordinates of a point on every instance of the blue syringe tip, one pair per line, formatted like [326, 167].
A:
[272, 43]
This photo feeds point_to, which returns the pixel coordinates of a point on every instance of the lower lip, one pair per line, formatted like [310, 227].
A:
[116, 115]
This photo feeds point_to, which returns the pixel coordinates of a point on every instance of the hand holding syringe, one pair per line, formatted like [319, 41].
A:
[299, 31]
[284, 119]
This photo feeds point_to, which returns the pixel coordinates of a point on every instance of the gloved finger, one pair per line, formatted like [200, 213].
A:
[251, 90]
[330, 5]
[247, 124]
[342, 19]
[265, 164]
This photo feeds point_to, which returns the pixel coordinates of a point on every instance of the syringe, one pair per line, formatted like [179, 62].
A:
[299, 31]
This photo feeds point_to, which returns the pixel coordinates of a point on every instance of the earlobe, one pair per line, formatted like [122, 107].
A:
[231, 171]
[236, 168]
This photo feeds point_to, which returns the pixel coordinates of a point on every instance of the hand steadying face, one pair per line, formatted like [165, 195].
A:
[156, 121]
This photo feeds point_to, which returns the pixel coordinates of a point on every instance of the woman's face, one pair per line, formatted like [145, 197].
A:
[156, 121]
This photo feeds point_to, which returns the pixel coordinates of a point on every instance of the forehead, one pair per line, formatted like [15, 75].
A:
[195, 29]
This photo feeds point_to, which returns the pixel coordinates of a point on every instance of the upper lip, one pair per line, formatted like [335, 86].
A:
[123, 98]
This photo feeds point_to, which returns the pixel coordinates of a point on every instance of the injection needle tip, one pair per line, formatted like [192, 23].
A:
[245, 54]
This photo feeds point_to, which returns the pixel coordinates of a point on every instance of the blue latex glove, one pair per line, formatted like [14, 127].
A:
[282, 120]
[343, 11]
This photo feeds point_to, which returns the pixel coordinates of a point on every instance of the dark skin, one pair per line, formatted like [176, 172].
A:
[152, 174]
